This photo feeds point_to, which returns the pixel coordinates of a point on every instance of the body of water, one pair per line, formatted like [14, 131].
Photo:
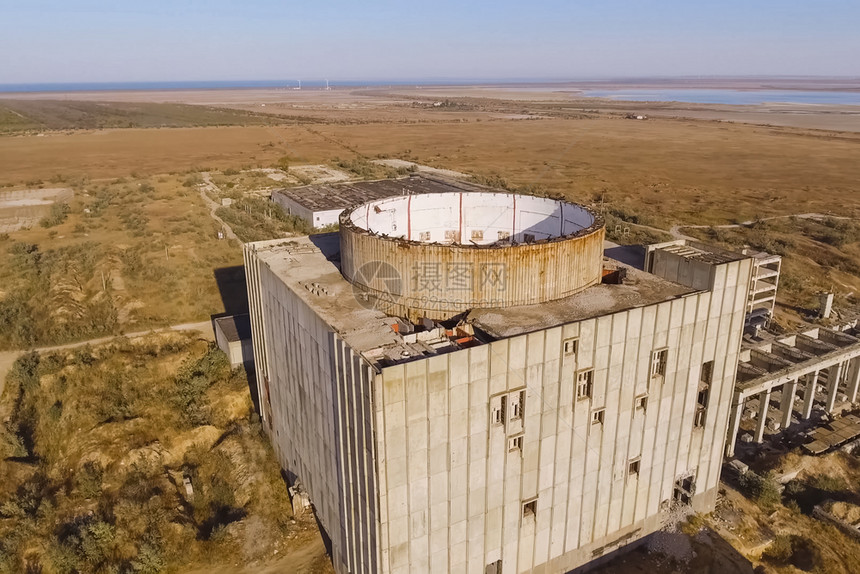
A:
[732, 97]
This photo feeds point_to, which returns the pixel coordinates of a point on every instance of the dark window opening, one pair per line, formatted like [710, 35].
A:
[530, 508]
[702, 404]
[707, 373]
[518, 404]
[658, 363]
[685, 488]
[584, 384]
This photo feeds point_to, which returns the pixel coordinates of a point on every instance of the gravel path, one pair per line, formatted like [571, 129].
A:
[209, 185]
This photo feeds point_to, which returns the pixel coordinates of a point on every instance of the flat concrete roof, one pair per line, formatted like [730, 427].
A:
[310, 267]
[638, 290]
[235, 327]
[326, 197]
[704, 253]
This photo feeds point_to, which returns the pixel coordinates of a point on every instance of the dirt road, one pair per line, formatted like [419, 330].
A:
[7, 358]
[208, 184]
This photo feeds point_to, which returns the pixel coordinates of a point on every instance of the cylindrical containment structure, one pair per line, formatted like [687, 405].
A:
[437, 255]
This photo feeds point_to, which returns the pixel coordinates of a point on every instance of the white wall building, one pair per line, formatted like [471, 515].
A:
[531, 438]
[233, 336]
[322, 204]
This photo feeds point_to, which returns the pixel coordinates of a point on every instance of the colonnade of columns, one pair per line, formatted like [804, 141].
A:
[847, 371]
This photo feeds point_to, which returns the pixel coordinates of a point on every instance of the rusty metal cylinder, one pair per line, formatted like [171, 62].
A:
[437, 255]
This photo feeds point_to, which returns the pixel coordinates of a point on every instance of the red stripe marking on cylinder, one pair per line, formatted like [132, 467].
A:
[461, 219]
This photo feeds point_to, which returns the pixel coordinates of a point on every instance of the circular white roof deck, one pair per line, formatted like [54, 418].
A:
[439, 254]
[473, 218]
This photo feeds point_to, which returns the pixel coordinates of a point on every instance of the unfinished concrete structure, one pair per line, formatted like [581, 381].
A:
[780, 379]
[765, 281]
[23, 208]
[508, 437]
[455, 251]
[818, 367]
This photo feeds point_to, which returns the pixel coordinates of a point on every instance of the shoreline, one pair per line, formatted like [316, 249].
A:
[485, 100]
[810, 84]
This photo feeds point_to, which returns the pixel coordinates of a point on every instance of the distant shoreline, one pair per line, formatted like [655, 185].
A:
[752, 100]
[809, 84]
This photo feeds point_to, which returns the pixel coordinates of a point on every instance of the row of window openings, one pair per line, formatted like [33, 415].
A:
[585, 390]
[683, 490]
[659, 358]
[511, 406]
[514, 402]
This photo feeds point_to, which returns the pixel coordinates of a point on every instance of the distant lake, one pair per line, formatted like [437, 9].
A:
[732, 97]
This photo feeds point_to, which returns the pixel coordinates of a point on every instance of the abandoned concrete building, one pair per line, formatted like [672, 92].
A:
[462, 382]
[321, 204]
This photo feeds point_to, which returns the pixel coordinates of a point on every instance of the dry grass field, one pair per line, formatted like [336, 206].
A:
[37, 115]
[127, 255]
[684, 171]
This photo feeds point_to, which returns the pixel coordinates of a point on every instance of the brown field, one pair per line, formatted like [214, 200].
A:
[684, 170]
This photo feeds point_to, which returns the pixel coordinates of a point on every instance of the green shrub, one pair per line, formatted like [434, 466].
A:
[59, 213]
[192, 180]
[763, 489]
[829, 483]
[360, 167]
[780, 550]
[192, 381]
[89, 479]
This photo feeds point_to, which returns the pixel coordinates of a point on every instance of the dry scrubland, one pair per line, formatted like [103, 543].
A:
[95, 442]
[125, 255]
[778, 528]
[27, 116]
[817, 256]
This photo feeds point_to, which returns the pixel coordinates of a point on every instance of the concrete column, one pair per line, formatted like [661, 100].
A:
[787, 404]
[854, 380]
[734, 426]
[833, 376]
[764, 403]
[809, 394]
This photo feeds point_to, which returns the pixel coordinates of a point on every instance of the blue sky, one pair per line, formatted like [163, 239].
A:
[184, 40]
